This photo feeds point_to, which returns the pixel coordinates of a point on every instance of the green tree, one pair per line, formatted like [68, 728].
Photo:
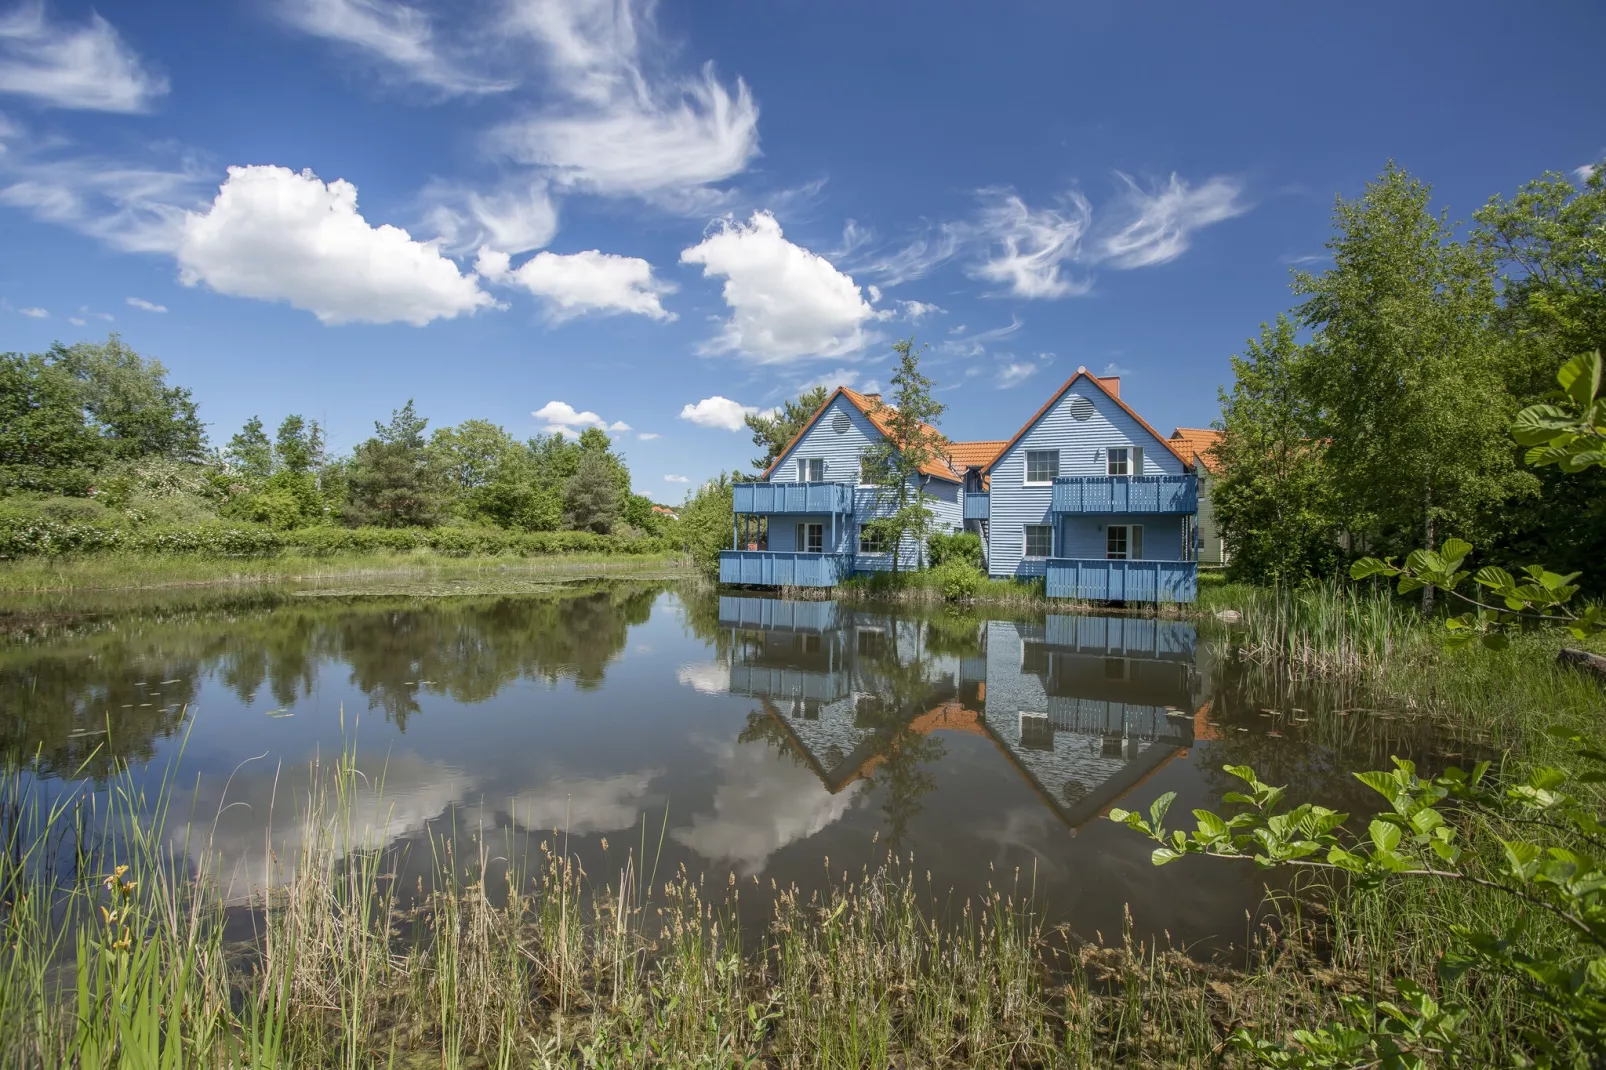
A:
[705, 521]
[391, 482]
[592, 501]
[1405, 371]
[249, 452]
[472, 454]
[298, 446]
[1273, 496]
[129, 402]
[773, 432]
[896, 462]
[45, 443]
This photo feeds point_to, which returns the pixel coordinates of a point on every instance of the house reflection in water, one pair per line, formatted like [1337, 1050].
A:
[1084, 708]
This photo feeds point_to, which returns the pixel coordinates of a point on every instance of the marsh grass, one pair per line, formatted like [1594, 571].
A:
[499, 960]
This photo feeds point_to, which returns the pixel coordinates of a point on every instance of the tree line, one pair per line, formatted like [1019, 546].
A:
[95, 432]
[1372, 417]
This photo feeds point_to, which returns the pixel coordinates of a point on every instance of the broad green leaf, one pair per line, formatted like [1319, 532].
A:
[1580, 378]
[1495, 578]
[1454, 551]
[1384, 835]
[1538, 424]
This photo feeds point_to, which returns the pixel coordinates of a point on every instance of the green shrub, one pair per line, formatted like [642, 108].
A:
[959, 580]
[964, 547]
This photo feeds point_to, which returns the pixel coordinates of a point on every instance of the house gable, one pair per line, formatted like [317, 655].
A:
[821, 437]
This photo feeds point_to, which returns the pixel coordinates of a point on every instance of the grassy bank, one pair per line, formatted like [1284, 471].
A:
[132, 571]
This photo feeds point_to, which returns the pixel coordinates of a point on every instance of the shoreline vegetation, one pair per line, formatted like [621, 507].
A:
[530, 962]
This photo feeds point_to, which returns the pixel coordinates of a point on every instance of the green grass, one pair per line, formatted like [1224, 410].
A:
[111, 572]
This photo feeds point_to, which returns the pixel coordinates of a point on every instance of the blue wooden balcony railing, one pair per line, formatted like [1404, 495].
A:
[1126, 494]
[818, 499]
[976, 506]
[779, 568]
[1099, 580]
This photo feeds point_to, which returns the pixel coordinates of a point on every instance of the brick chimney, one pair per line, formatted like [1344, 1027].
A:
[1112, 383]
[873, 397]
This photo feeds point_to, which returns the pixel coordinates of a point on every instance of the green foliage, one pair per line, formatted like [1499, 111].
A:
[774, 432]
[1570, 434]
[127, 401]
[592, 501]
[1533, 839]
[705, 522]
[45, 443]
[1274, 497]
[298, 446]
[964, 546]
[1405, 370]
[249, 452]
[894, 462]
[959, 579]
[391, 481]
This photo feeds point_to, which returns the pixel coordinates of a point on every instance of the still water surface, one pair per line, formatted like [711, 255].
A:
[734, 736]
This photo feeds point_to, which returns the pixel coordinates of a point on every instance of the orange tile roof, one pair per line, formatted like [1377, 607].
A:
[964, 454]
[1083, 373]
[877, 414]
[1201, 442]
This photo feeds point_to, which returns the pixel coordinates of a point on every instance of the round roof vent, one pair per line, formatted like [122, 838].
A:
[840, 423]
[1081, 409]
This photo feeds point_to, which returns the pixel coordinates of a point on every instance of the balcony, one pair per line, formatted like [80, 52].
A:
[816, 499]
[976, 506]
[1098, 580]
[773, 614]
[1126, 494]
[776, 568]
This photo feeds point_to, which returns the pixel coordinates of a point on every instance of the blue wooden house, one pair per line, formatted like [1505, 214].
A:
[1086, 494]
[1092, 498]
[802, 524]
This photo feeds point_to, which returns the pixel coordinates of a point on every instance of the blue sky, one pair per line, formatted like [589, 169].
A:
[558, 213]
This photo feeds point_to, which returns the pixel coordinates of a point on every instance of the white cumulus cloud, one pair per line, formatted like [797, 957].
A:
[574, 284]
[278, 235]
[708, 677]
[785, 301]
[1026, 248]
[718, 412]
[148, 306]
[35, 313]
[676, 479]
[85, 67]
[559, 417]
[1155, 226]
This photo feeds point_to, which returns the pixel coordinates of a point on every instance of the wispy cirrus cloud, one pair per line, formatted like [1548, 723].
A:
[35, 313]
[401, 35]
[144, 305]
[83, 67]
[1026, 249]
[1156, 225]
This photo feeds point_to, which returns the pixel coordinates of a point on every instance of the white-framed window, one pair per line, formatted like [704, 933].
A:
[1039, 540]
[872, 541]
[1123, 542]
[811, 469]
[1042, 466]
[811, 538]
[1124, 461]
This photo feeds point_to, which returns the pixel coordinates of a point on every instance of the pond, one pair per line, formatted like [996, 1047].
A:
[746, 739]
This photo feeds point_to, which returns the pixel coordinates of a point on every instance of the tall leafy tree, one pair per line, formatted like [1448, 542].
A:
[1405, 370]
[909, 444]
[391, 481]
[45, 443]
[472, 454]
[249, 452]
[774, 431]
[1274, 497]
[129, 402]
[298, 445]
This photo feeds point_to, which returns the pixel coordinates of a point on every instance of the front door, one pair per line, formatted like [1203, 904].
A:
[811, 538]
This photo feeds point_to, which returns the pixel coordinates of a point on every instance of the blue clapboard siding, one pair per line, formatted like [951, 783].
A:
[1082, 445]
[822, 498]
[1084, 536]
[775, 614]
[1131, 637]
[1126, 494]
[1123, 581]
[771, 568]
[976, 506]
